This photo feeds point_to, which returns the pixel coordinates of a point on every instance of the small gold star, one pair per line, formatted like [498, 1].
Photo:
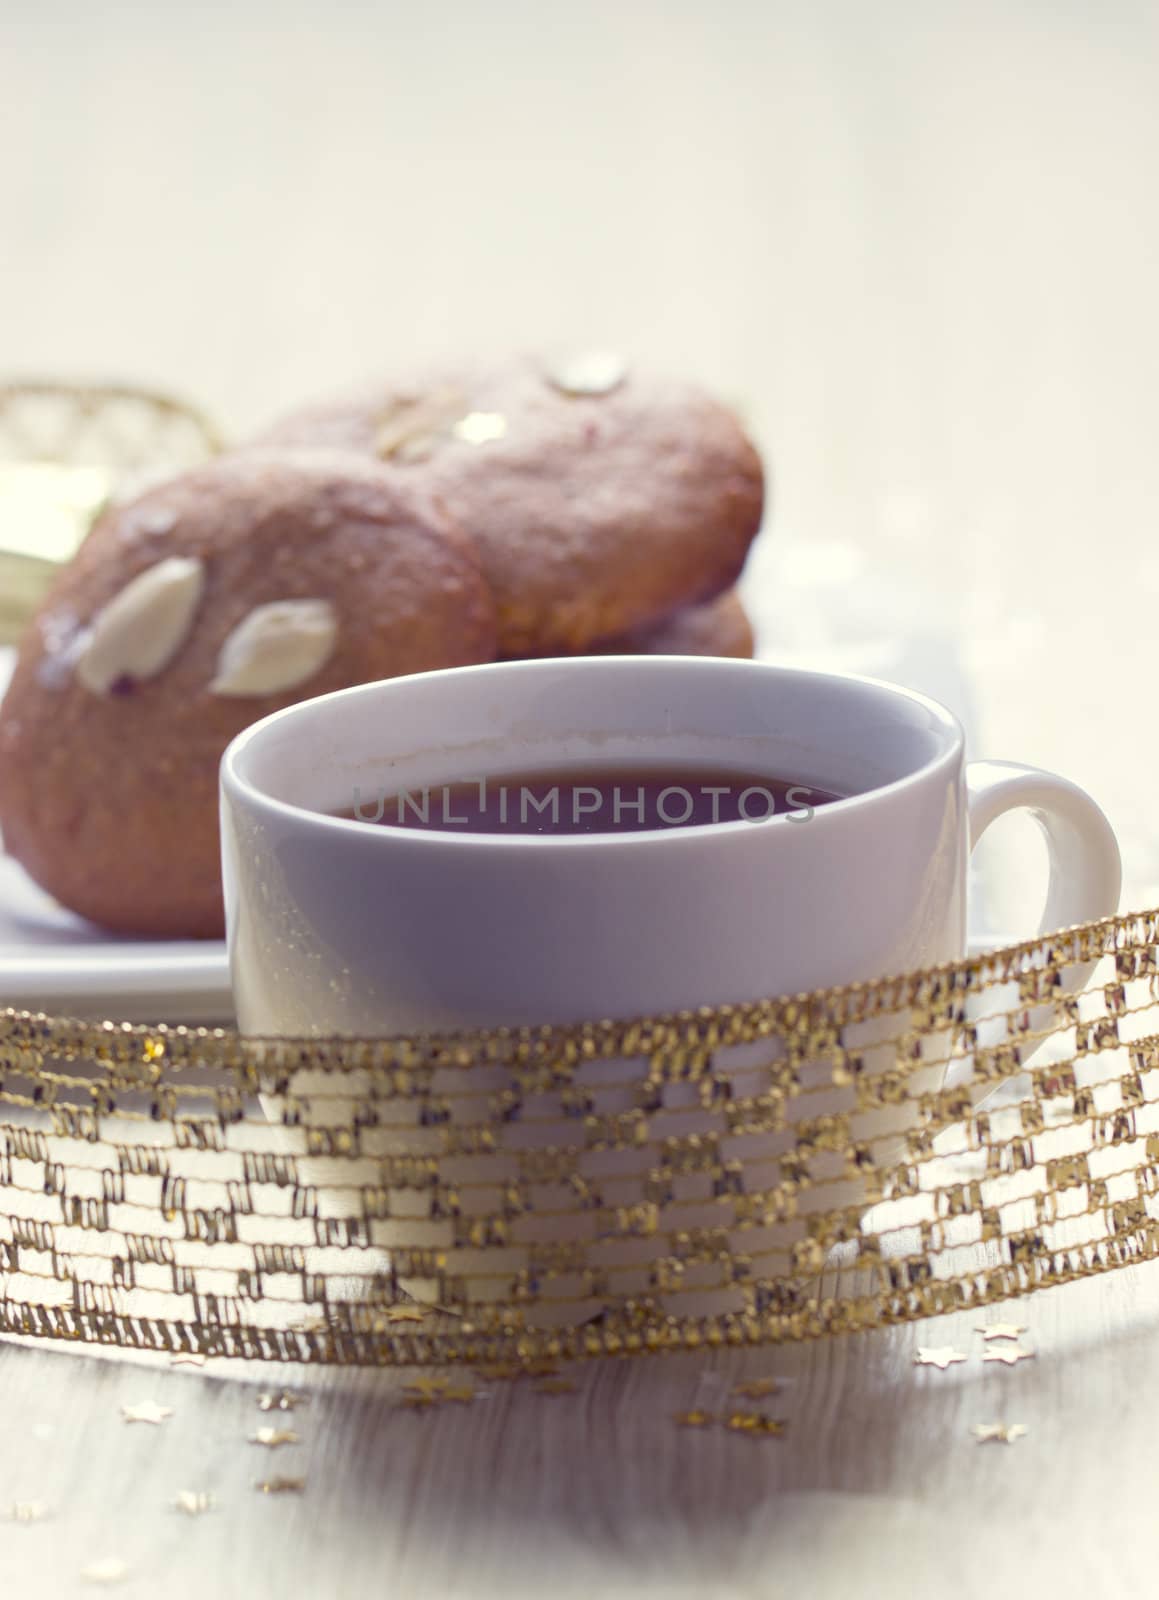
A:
[428, 1388]
[999, 1330]
[753, 1423]
[187, 1358]
[756, 1388]
[426, 1392]
[147, 1411]
[110, 1571]
[281, 1486]
[480, 427]
[1009, 1357]
[940, 1356]
[193, 1502]
[274, 1438]
[555, 1386]
[501, 1373]
[998, 1432]
[27, 1511]
[694, 1419]
[282, 1400]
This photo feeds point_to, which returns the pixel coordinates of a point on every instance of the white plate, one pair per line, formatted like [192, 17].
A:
[52, 961]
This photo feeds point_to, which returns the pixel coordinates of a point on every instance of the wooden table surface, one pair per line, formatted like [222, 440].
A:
[877, 1486]
[918, 244]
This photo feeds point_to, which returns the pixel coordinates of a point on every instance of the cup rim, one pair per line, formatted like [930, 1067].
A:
[234, 781]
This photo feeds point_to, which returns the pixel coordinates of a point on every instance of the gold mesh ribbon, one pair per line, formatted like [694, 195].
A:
[798, 1167]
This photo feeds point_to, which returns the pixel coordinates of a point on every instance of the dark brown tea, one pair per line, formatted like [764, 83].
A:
[607, 799]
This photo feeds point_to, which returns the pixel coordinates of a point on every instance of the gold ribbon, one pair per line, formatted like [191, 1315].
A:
[737, 1176]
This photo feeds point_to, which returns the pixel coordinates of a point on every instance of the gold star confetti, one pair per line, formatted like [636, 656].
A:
[940, 1356]
[753, 1423]
[274, 1438]
[1010, 1357]
[27, 1511]
[427, 1388]
[999, 1330]
[998, 1432]
[193, 1502]
[110, 1571]
[281, 1486]
[756, 1388]
[426, 1392]
[187, 1358]
[480, 427]
[555, 1386]
[500, 1373]
[694, 1419]
[147, 1411]
[282, 1400]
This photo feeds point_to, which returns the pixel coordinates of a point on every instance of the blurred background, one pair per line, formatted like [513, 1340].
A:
[915, 243]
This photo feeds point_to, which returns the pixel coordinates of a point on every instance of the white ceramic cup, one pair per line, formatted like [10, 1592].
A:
[338, 927]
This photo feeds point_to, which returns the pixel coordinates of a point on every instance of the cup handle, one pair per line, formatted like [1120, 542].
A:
[1086, 871]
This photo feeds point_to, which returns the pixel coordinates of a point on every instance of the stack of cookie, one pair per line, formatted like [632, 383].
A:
[463, 517]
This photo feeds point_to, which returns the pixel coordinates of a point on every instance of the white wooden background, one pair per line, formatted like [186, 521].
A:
[919, 244]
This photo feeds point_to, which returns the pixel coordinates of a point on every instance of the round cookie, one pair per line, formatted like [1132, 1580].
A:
[206, 603]
[719, 628]
[600, 500]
